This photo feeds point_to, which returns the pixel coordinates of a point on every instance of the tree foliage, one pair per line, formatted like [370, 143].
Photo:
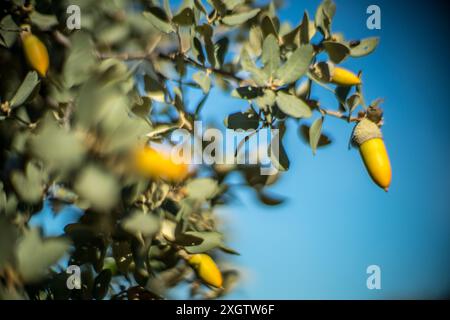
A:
[124, 80]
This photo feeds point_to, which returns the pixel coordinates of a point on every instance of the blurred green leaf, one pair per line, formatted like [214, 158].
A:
[97, 186]
[25, 90]
[202, 189]
[231, 4]
[8, 37]
[29, 186]
[140, 223]
[269, 199]
[8, 238]
[57, 147]
[80, 59]
[36, 255]
[43, 21]
[142, 108]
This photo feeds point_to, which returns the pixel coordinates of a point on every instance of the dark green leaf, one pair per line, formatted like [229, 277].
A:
[240, 120]
[323, 140]
[268, 27]
[247, 92]
[336, 51]
[278, 155]
[221, 50]
[26, 89]
[185, 17]
[342, 94]
[101, 284]
[353, 102]
[43, 21]
[269, 199]
[8, 37]
[197, 50]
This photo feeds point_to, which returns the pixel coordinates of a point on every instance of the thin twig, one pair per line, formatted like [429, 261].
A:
[171, 57]
[339, 115]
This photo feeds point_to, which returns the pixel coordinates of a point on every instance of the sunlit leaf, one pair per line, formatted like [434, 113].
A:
[363, 47]
[239, 18]
[296, 66]
[315, 132]
[292, 106]
[159, 19]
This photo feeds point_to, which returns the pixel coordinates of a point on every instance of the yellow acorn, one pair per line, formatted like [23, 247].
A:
[35, 51]
[206, 269]
[154, 164]
[367, 135]
[344, 77]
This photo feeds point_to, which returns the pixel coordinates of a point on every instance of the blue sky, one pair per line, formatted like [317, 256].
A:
[335, 221]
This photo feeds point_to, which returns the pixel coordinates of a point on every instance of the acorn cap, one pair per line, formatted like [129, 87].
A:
[366, 130]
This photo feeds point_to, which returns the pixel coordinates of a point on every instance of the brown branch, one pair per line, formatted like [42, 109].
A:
[339, 115]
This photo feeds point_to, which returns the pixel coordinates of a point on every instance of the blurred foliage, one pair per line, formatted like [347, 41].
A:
[122, 81]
